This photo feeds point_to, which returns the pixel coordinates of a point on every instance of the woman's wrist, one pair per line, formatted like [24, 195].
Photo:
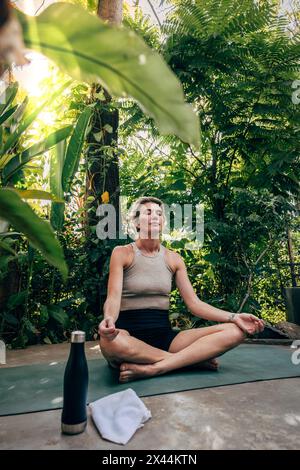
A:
[232, 317]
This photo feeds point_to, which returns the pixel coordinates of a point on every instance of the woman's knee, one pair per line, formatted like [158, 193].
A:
[235, 334]
[120, 346]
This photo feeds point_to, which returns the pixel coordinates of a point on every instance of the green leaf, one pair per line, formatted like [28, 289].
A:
[8, 96]
[58, 314]
[6, 247]
[108, 128]
[25, 123]
[16, 299]
[5, 116]
[57, 215]
[212, 258]
[47, 340]
[178, 185]
[19, 160]
[29, 327]
[39, 232]
[100, 96]
[19, 113]
[44, 315]
[210, 273]
[90, 50]
[74, 149]
[98, 136]
[56, 169]
[174, 316]
[11, 319]
[92, 5]
[37, 194]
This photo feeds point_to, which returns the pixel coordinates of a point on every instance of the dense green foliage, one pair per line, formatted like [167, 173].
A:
[237, 62]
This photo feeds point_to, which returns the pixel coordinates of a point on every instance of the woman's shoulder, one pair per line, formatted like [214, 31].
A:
[124, 253]
[173, 259]
[123, 248]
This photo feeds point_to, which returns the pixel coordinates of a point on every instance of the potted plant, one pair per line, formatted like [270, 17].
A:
[292, 294]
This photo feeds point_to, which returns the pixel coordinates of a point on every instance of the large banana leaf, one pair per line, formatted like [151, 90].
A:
[56, 168]
[39, 232]
[90, 50]
[37, 194]
[8, 114]
[7, 96]
[19, 160]
[19, 113]
[24, 124]
[74, 149]
[64, 164]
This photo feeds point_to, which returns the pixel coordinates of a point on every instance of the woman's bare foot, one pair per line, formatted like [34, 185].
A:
[130, 371]
[210, 364]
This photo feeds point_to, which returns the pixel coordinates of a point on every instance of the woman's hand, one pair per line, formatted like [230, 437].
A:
[249, 323]
[107, 328]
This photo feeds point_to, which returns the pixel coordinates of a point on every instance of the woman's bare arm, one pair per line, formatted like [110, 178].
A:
[245, 321]
[191, 300]
[112, 303]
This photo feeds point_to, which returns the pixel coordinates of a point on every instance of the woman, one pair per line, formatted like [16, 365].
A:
[136, 334]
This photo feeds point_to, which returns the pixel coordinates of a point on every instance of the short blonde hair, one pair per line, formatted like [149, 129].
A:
[134, 213]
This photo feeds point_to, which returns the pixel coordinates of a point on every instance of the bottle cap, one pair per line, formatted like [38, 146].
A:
[77, 337]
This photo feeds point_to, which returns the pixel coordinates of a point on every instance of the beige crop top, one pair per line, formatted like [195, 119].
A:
[147, 282]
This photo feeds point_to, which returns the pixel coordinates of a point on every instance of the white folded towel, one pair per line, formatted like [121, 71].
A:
[119, 415]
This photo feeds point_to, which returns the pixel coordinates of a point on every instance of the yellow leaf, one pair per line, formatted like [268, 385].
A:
[105, 197]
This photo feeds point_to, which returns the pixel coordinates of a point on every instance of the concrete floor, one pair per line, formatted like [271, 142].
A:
[255, 415]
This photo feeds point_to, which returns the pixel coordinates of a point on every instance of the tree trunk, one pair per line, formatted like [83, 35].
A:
[111, 10]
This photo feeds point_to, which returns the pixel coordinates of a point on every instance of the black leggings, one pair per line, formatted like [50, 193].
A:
[149, 325]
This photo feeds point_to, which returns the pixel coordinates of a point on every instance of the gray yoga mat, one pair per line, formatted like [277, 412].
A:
[39, 387]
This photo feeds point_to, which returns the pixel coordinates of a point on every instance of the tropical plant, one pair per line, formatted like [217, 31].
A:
[115, 58]
[14, 122]
[237, 63]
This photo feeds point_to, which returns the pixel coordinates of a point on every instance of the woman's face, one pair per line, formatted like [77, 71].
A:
[150, 220]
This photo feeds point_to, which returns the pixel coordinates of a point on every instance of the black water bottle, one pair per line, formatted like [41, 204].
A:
[74, 416]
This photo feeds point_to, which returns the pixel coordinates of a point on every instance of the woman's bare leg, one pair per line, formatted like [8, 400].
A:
[207, 347]
[127, 348]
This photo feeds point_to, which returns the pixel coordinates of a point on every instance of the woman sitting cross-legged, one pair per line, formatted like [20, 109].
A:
[136, 334]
